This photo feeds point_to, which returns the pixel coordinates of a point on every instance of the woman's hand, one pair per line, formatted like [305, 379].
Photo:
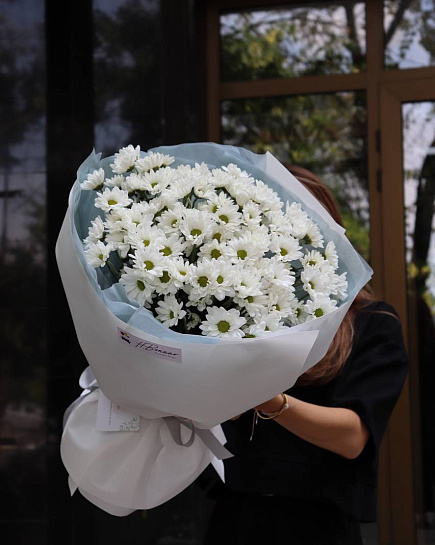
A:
[336, 429]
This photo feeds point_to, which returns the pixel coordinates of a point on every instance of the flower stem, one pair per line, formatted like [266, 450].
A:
[113, 270]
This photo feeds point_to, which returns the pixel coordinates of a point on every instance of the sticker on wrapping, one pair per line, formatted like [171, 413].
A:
[110, 417]
[158, 350]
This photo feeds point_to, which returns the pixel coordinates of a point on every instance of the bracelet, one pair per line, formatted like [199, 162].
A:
[264, 416]
[271, 416]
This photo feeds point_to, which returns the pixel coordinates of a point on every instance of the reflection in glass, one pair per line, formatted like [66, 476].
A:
[127, 72]
[409, 27]
[22, 259]
[293, 41]
[323, 133]
[419, 190]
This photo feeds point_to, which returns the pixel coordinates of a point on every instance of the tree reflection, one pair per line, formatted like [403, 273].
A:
[22, 260]
[127, 75]
[409, 33]
[299, 41]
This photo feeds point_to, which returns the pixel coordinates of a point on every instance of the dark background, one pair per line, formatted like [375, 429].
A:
[75, 75]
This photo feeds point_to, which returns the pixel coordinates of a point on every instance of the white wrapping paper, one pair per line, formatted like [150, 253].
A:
[202, 379]
[124, 471]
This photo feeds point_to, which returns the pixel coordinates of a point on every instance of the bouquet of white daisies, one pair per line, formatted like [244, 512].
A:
[202, 280]
[209, 251]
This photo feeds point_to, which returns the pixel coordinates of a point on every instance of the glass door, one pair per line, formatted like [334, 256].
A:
[418, 121]
[408, 133]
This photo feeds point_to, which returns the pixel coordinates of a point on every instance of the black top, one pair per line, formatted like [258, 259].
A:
[278, 462]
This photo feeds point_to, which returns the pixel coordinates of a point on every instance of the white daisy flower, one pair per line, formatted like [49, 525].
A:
[313, 258]
[283, 301]
[124, 220]
[223, 280]
[125, 159]
[204, 189]
[249, 247]
[229, 216]
[266, 197]
[201, 278]
[147, 235]
[169, 282]
[251, 214]
[314, 282]
[157, 181]
[118, 241]
[235, 171]
[300, 315]
[153, 161]
[170, 311]
[213, 250]
[318, 306]
[278, 223]
[94, 180]
[287, 248]
[312, 235]
[159, 205]
[112, 198]
[182, 268]
[241, 190]
[219, 233]
[98, 253]
[223, 323]
[276, 272]
[173, 246]
[116, 181]
[330, 254]
[150, 262]
[247, 282]
[195, 226]
[138, 213]
[339, 286]
[137, 286]
[220, 178]
[96, 231]
[217, 201]
[181, 188]
[169, 220]
[253, 304]
[135, 182]
[266, 323]
[294, 213]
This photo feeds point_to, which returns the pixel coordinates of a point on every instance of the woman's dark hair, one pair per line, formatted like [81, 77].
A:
[332, 363]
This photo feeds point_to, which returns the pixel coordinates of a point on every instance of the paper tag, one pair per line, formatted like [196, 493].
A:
[158, 350]
[110, 417]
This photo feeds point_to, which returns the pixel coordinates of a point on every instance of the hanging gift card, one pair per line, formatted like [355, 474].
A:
[110, 417]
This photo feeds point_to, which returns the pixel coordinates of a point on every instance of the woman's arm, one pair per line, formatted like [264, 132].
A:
[336, 429]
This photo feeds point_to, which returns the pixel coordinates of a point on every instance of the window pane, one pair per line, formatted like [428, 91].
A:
[419, 191]
[144, 73]
[409, 33]
[323, 133]
[128, 109]
[23, 316]
[293, 41]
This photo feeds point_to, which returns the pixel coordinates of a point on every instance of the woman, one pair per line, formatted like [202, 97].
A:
[304, 469]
